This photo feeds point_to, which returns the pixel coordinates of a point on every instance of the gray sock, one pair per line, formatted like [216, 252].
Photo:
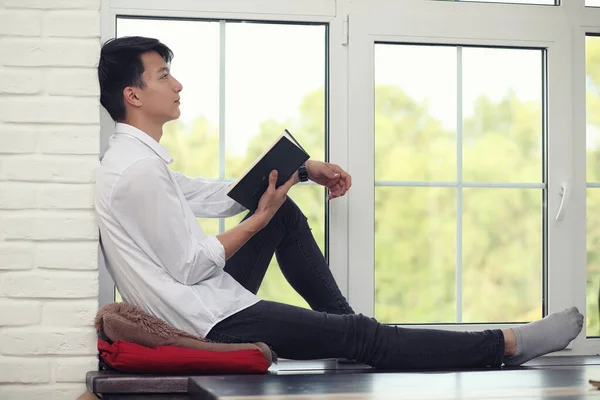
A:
[552, 333]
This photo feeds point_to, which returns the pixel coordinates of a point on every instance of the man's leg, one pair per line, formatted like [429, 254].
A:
[297, 333]
[289, 237]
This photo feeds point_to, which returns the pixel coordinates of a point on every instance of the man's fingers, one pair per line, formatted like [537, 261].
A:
[273, 179]
[287, 185]
[345, 183]
[338, 190]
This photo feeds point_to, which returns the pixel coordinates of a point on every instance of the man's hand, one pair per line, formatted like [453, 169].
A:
[273, 197]
[329, 175]
[234, 238]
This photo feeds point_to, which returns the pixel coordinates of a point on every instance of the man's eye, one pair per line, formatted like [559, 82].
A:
[164, 76]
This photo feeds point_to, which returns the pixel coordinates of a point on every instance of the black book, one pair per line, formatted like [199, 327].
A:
[285, 155]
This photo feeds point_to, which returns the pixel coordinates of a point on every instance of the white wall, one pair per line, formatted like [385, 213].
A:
[49, 140]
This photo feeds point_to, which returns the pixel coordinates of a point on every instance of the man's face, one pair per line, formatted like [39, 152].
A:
[160, 97]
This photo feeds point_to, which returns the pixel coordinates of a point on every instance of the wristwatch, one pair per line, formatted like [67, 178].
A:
[303, 173]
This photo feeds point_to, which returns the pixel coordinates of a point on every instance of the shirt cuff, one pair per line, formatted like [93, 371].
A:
[215, 251]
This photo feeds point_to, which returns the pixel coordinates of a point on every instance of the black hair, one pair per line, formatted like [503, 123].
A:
[121, 66]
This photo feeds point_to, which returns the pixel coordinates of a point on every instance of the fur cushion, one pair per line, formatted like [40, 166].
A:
[129, 323]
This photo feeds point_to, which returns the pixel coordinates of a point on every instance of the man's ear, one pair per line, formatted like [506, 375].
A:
[131, 97]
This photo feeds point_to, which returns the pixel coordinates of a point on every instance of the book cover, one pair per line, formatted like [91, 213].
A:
[285, 155]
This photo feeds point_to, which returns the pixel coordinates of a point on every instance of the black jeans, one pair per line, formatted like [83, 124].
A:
[332, 329]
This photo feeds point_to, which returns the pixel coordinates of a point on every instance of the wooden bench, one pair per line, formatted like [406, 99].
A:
[120, 386]
[548, 377]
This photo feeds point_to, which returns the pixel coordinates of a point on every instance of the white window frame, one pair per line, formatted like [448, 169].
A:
[419, 21]
[354, 26]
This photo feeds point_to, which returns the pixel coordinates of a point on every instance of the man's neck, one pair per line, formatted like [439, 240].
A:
[153, 130]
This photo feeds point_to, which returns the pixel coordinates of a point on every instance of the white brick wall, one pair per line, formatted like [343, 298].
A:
[49, 144]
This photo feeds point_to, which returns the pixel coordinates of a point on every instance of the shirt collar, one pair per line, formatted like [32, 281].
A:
[144, 138]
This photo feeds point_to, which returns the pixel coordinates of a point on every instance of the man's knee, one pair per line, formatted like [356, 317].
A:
[289, 214]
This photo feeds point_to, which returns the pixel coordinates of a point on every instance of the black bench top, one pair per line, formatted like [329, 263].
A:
[532, 383]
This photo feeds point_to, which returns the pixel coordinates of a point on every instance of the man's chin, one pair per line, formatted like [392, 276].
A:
[172, 117]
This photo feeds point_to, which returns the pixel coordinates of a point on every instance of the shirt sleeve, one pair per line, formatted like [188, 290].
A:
[145, 202]
[208, 198]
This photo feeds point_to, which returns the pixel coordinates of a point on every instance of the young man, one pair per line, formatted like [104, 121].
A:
[162, 261]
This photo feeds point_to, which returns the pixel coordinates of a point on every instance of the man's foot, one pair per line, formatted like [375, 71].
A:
[552, 333]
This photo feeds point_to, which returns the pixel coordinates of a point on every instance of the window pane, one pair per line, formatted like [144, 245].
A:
[415, 254]
[197, 130]
[192, 140]
[415, 112]
[593, 108]
[500, 137]
[592, 3]
[274, 76]
[502, 255]
[593, 261]
[310, 199]
[502, 114]
[593, 177]
[275, 79]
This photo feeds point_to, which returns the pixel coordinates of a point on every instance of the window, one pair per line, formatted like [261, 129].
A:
[467, 127]
[243, 83]
[459, 184]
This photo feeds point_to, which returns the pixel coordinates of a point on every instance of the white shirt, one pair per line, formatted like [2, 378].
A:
[154, 249]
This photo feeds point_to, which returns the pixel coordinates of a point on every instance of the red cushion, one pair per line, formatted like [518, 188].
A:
[131, 357]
